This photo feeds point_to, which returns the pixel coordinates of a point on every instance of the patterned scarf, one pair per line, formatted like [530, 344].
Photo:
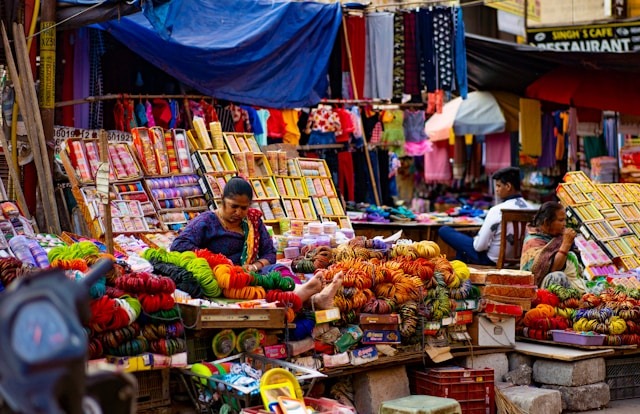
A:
[251, 228]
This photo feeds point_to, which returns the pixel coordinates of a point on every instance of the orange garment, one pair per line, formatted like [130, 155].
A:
[531, 127]
[291, 130]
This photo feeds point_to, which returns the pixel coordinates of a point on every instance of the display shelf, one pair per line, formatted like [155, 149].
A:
[313, 167]
[252, 165]
[238, 142]
[599, 230]
[627, 262]
[617, 247]
[272, 210]
[290, 186]
[628, 211]
[585, 212]
[174, 192]
[150, 148]
[195, 317]
[616, 221]
[343, 221]
[212, 161]
[328, 206]
[299, 208]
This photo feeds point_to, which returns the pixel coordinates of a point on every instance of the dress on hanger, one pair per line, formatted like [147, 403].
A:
[393, 134]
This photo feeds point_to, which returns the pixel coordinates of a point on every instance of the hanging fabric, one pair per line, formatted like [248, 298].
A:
[416, 143]
[398, 56]
[436, 163]
[411, 60]
[498, 152]
[393, 134]
[356, 32]
[547, 157]
[96, 50]
[460, 54]
[530, 127]
[379, 56]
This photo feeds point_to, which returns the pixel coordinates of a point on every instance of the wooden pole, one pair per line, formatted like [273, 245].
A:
[25, 111]
[46, 173]
[374, 182]
[103, 138]
[15, 177]
[47, 76]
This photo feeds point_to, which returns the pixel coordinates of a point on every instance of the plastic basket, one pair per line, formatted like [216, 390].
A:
[623, 378]
[202, 390]
[153, 389]
[472, 388]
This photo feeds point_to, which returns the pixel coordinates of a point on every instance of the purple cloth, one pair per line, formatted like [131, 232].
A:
[81, 77]
[206, 232]
[548, 157]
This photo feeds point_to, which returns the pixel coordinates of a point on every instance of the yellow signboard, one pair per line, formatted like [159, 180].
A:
[517, 7]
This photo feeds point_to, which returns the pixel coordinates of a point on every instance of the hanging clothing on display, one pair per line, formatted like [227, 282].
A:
[393, 134]
[416, 143]
[443, 42]
[291, 130]
[226, 118]
[398, 56]
[460, 48]
[263, 117]
[411, 61]
[335, 68]
[547, 158]
[81, 77]
[275, 126]
[426, 55]
[323, 125]
[561, 121]
[253, 120]
[346, 175]
[530, 127]
[498, 152]
[303, 118]
[459, 157]
[141, 114]
[379, 56]
[436, 163]
[151, 122]
[346, 124]
[96, 86]
[356, 29]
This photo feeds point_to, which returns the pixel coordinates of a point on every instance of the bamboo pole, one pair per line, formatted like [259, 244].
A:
[113, 96]
[103, 139]
[46, 173]
[374, 182]
[26, 116]
[15, 177]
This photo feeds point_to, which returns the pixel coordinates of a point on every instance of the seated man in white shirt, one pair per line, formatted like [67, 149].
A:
[484, 248]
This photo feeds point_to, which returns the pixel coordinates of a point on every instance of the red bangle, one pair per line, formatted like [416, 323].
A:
[563, 252]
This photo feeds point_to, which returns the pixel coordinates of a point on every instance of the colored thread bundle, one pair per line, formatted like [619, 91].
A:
[143, 282]
[229, 276]
[183, 279]
[130, 348]
[154, 332]
[288, 299]
[169, 346]
[152, 303]
[198, 266]
[247, 292]
[116, 337]
[10, 269]
[545, 297]
[163, 316]
[273, 280]
[108, 314]
[78, 250]
[541, 311]
[437, 305]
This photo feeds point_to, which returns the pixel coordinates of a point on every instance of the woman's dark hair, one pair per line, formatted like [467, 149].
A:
[547, 213]
[508, 175]
[237, 186]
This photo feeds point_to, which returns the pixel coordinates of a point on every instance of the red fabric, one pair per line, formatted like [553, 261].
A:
[346, 124]
[356, 31]
[161, 112]
[275, 124]
[596, 89]
[346, 175]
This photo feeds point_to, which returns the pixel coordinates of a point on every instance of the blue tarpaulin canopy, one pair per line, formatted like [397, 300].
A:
[258, 52]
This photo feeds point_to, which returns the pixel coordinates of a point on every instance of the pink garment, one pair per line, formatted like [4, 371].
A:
[498, 151]
[436, 163]
[416, 149]
[151, 122]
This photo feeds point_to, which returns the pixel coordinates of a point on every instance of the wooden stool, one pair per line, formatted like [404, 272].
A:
[421, 404]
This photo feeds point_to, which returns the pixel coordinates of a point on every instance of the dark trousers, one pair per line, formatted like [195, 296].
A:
[463, 245]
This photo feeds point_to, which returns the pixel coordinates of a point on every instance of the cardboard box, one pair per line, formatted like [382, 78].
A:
[381, 337]
[494, 331]
[278, 351]
[464, 317]
[141, 362]
[374, 318]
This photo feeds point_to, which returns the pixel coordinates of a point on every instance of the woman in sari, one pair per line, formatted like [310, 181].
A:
[547, 250]
[234, 230]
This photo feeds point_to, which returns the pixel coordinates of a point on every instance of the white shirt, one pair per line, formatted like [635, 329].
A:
[488, 238]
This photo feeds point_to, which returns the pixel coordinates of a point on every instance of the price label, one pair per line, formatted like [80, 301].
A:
[61, 133]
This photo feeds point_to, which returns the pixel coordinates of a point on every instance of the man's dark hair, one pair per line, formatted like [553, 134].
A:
[510, 175]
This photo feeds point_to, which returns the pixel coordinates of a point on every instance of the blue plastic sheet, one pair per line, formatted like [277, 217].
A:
[266, 53]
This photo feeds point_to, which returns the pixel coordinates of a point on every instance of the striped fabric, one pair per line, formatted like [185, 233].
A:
[398, 56]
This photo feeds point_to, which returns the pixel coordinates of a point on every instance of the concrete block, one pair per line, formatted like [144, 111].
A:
[519, 376]
[584, 397]
[372, 388]
[569, 374]
[533, 400]
[498, 362]
[517, 359]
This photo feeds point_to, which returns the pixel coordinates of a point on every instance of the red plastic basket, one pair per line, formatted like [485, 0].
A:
[472, 388]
